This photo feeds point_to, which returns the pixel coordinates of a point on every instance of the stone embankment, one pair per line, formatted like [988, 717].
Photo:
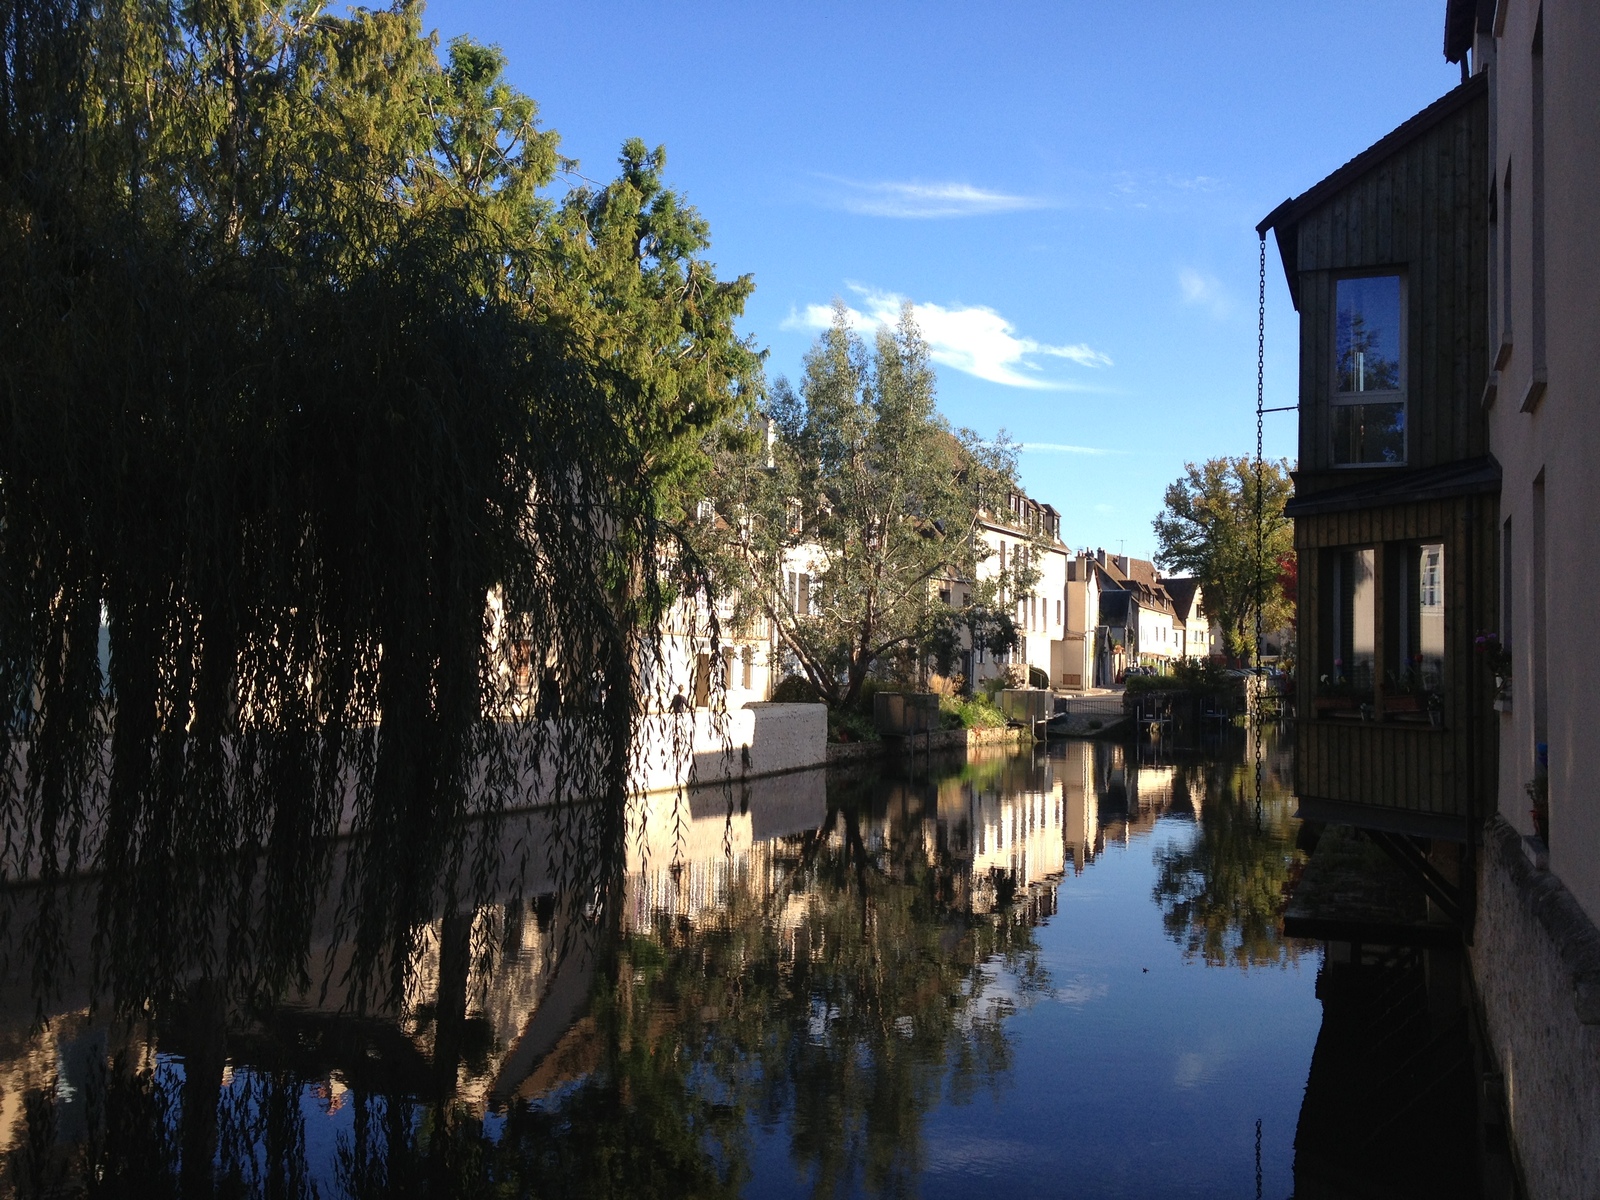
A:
[941, 740]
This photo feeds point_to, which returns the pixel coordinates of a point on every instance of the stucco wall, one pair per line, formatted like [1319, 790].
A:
[1560, 437]
[1537, 962]
[706, 747]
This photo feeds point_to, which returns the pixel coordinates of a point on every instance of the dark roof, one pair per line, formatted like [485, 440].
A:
[1462, 478]
[1113, 606]
[1461, 19]
[1285, 219]
[1183, 590]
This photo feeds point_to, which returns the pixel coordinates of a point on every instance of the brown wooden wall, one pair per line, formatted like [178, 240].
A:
[1387, 763]
[1423, 210]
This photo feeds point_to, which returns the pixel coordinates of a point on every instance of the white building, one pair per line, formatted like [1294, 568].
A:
[1032, 530]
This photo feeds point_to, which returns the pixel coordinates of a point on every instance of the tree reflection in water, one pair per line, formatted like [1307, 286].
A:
[838, 983]
[1222, 892]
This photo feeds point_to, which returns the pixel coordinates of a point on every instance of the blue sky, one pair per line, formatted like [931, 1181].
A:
[1067, 191]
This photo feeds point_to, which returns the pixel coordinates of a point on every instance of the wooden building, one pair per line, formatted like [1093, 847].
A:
[1396, 494]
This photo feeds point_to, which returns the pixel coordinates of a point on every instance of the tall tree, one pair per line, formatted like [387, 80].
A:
[861, 477]
[301, 363]
[1208, 527]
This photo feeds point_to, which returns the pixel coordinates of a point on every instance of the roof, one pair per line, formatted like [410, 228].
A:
[1184, 590]
[1113, 606]
[1464, 478]
[1285, 219]
[1461, 19]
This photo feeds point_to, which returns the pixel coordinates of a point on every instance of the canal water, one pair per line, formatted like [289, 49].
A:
[1054, 971]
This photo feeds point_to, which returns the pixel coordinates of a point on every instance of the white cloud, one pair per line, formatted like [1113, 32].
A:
[976, 340]
[1063, 448]
[921, 201]
[1205, 291]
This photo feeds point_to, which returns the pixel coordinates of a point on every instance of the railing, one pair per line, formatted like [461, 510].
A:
[1108, 707]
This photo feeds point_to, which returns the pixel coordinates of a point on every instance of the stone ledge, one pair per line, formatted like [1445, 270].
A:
[944, 739]
[1559, 914]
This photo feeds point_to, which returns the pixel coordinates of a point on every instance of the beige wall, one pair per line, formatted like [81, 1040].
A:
[1560, 437]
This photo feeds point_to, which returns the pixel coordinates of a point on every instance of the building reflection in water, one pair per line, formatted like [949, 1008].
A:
[830, 957]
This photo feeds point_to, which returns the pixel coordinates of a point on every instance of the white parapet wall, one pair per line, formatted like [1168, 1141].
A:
[702, 746]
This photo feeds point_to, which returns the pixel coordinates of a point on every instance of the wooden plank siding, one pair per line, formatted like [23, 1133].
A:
[1390, 763]
[1421, 212]
[1416, 204]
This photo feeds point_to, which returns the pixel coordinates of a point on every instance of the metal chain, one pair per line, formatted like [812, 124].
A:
[1261, 549]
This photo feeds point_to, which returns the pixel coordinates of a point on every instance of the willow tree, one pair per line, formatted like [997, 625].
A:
[863, 485]
[301, 363]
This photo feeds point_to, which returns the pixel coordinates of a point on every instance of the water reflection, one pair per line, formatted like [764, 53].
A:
[804, 976]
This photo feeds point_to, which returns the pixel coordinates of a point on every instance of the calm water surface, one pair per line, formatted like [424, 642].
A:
[1056, 971]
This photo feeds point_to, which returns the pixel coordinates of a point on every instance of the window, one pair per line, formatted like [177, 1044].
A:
[1369, 405]
[798, 593]
[1350, 626]
[1417, 618]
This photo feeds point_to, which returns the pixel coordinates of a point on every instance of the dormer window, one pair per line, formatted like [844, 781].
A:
[1369, 400]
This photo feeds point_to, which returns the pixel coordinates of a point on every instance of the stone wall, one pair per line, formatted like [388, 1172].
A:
[944, 739]
[1536, 960]
[707, 747]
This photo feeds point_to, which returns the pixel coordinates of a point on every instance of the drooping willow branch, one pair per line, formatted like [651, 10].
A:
[315, 456]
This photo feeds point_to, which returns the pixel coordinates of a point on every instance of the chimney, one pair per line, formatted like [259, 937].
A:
[1122, 562]
[1100, 556]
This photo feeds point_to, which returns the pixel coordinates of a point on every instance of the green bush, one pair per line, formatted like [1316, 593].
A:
[973, 712]
[1190, 675]
[794, 689]
[845, 725]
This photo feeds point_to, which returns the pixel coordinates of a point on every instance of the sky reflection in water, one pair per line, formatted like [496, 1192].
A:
[1061, 972]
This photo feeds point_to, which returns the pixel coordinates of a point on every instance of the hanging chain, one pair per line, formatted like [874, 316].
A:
[1258, 681]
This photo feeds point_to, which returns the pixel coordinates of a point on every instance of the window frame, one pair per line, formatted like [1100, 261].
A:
[1400, 395]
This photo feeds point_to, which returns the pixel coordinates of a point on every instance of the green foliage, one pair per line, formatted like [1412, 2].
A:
[1222, 895]
[1208, 528]
[970, 712]
[851, 725]
[1138, 685]
[301, 366]
[1200, 675]
[793, 689]
[862, 486]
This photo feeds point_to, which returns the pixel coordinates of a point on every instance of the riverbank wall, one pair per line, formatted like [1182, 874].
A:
[676, 750]
[1536, 963]
[842, 753]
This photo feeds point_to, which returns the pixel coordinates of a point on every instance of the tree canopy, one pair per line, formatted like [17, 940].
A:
[1207, 528]
[302, 361]
[861, 485]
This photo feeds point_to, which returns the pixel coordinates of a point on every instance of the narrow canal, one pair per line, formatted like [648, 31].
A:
[1054, 972]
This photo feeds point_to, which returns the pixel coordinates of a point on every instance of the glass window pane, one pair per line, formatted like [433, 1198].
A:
[1355, 619]
[1367, 337]
[1369, 433]
[1430, 616]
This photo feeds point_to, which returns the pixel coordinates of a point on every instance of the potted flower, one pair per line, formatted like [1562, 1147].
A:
[1336, 694]
[1406, 694]
[1538, 789]
[1498, 659]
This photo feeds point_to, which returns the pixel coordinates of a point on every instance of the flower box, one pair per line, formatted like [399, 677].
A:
[1406, 703]
[1324, 705]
